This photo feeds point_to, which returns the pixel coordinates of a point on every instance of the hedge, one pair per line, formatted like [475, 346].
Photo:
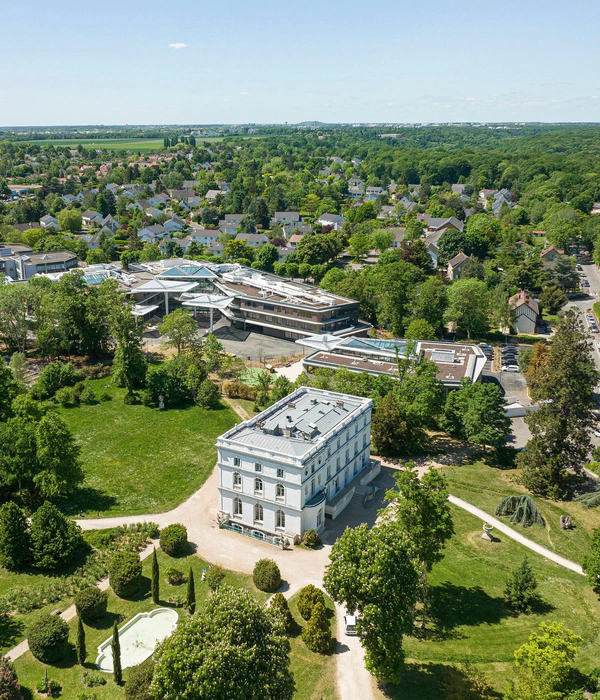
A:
[266, 575]
[48, 638]
[125, 573]
[90, 603]
[174, 540]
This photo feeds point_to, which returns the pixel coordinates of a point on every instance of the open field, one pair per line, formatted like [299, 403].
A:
[108, 144]
[141, 460]
[473, 622]
[485, 487]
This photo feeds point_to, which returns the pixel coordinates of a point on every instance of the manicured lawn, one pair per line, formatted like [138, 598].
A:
[473, 620]
[141, 460]
[108, 144]
[314, 673]
[485, 486]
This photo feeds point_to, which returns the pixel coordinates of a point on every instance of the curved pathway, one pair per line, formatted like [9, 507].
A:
[507, 530]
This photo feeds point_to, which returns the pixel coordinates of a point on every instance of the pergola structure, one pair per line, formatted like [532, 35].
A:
[154, 288]
[206, 301]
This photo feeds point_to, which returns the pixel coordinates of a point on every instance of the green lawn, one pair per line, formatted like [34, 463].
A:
[141, 460]
[124, 144]
[485, 486]
[473, 621]
[315, 673]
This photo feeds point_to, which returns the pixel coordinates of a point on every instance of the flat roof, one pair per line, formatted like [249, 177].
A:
[296, 425]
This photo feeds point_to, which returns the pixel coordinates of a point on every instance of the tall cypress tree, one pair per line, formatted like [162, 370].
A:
[81, 650]
[155, 583]
[116, 652]
[191, 593]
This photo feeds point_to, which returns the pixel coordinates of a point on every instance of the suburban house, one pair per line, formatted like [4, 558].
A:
[49, 223]
[174, 224]
[151, 234]
[433, 254]
[283, 471]
[92, 240]
[455, 266]
[355, 192]
[439, 225]
[595, 208]
[334, 220]
[252, 239]
[91, 218]
[211, 195]
[285, 217]
[399, 234]
[373, 193]
[387, 212]
[526, 311]
[111, 223]
[457, 189]
[295, 239]
[550, 254]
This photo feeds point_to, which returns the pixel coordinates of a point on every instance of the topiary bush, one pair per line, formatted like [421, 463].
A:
[266, 575]
[175, 577]
[48, 638]
[311, 538]
[214, 577]
[174, 540]
[9, 684]
[90, 603]
[54, 539]
[280, 607]
[317, 631]
[125, 573]
[308, 597]
[139, 681]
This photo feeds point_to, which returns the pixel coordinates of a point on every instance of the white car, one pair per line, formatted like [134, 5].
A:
[350, 625]
[510, 368]
[597, 433]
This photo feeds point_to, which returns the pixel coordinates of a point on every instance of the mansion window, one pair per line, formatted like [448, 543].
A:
[280, 492]
[257, 467]
[279, 518]
[237, 480]
[236, 461]
[237, 506]
[258, 486]
[279, 473]
[258, 513]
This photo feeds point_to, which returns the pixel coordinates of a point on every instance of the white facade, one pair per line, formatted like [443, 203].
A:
[279, 470]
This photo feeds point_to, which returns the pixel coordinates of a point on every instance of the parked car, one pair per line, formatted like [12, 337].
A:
[350, 625]
[597, 433]
[510, 368]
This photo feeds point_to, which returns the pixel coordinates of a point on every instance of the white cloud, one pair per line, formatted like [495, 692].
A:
[244, 93]
[178, 46]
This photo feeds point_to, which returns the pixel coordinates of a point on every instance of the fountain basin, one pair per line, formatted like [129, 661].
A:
[138, 638]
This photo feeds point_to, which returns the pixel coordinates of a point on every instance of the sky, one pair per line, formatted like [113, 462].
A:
[267, 61]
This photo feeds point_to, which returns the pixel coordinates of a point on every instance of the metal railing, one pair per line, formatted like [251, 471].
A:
[253, 533]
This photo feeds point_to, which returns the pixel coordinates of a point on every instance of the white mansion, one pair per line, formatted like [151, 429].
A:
[283, 470]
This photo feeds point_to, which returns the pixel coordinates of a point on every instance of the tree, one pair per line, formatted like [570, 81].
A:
[54, 539]
[266, 256]
[563, 274]
[382, 240]
[451, 243]
[429, 302]
[389, 427]
[561, 428]
[414, 229]
[90, 603]
[181, 329]
[395, 284]
[475, 413]
[125, 573]
[591, 562]
[316, 633]
[543, 663]
[139, 681]
[174, 540]
[421, 511]
[552, 299]
[150, 252]
[214, 352]
[468, 306]
[48, 638]
[266, 575]
[9, 684]
[208, 395]
[359, 245]
[371, 572]
[69, 220]
[191, 593]
[419, 329]
[15, 543]
[316, 250]
[521, 588]
[155, 579]
[234, 650]
[80, 643]
[13, 316]
[279, 606]
[129, 364]
[481, 234]
[9, 389]
[57, 456]
[18, 366]
[116, 654]
[308, 597]
[214, 577]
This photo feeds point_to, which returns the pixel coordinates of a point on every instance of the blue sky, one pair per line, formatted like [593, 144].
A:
[67, 62]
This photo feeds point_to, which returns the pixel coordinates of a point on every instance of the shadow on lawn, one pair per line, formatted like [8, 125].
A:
[88, 499]
[451, 605]
[11, 630]
[434, 681]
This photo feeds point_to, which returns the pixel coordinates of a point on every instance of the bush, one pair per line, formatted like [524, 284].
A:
[15, 543]
[9, 684]
[174, 540]
[105, 396]
[65, 396]
[90, 603]
[139, 681]
[130, 399]
[239, 390]
[311, 538]
[175, 577]
[55, 376]
[48, 638]
[88, 395]
[280, 607]
[214, 577]
[125, 573]
[266, 575]
[520, 592]
[208, 395]
[93, 679]
[54, 539]
[308, 597]
[317, 631]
